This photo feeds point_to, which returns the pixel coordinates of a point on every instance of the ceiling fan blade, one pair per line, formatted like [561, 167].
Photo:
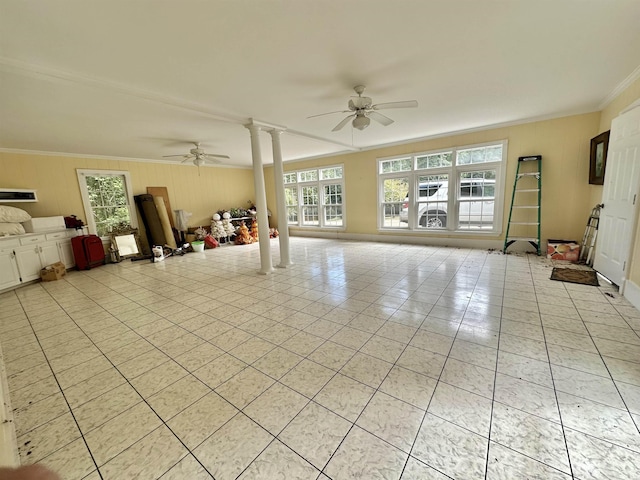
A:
[212, 156]
[343, 123]
[168, 156]
[407, 104]
[186, 158]
[378, 117]
[329, 113]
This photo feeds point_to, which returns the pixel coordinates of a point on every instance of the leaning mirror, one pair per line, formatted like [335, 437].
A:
[126, 243]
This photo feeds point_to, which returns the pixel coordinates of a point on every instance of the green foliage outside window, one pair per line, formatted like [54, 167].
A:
[108, 198]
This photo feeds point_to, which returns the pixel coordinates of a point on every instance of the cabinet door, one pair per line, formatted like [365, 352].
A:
[9, 275]
[29, 263]
[66, 253]
[49, 253]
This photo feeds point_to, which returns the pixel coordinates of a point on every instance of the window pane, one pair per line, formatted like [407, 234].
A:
[310, 195]
[333, 216]
[432, 202]
[394, 203]
[436, 160]
[396, 165]
[292, 215]
[308, 176]
[109, 202]
[289, 178]
[291, 196]
[331, 173]
[477, 191]
[333, 194]
[310, 216]
[492, 153]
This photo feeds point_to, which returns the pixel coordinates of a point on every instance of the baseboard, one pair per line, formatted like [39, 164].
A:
[632, 293]
[403, 239]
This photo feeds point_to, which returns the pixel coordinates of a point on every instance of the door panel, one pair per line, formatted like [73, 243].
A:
[620, 192]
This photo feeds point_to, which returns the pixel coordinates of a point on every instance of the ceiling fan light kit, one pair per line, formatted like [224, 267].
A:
[361, 122]
[362, 110]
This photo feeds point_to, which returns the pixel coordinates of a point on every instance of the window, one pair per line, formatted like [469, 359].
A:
[108, 200]
[314, 197]
[452, 190]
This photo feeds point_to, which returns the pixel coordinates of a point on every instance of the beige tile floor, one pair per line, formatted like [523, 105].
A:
[363, 360]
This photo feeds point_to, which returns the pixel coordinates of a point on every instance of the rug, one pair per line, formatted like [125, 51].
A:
[583, 277]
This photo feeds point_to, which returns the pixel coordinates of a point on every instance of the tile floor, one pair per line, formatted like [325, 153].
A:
[363, 360]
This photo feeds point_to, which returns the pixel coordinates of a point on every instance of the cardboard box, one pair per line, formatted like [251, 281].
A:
[563, 250]
[53, 272]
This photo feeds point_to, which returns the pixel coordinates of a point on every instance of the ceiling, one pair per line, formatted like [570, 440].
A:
[141, 79]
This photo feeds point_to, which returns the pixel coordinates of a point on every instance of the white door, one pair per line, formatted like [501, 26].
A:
[620, 197]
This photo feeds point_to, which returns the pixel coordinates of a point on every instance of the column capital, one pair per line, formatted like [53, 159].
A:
[252, 127]
[276, 132]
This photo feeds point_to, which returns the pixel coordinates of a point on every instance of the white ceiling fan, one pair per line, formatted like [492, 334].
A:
[362, 110]
[199, 156]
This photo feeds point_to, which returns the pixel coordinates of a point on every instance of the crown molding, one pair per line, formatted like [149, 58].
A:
[122, 159]
[622, 86]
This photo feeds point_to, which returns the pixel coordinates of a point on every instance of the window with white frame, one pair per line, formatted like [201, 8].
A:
[108, 200]
[457, 189]
[315, 197]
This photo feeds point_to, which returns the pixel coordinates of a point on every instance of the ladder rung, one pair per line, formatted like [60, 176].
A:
[524, 239]
[526, 206]
[527, 190]
[524, 223]
[530, 174]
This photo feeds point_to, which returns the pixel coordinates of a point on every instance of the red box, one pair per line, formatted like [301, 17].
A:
[563, 250]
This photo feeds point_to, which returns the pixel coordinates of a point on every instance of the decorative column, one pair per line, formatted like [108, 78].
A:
[266, 265]
[283, 225]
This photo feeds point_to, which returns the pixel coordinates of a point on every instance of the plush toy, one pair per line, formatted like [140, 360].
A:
[226, 223]
[273, 233]
[217, 228]
[254, 230]
[243, 237]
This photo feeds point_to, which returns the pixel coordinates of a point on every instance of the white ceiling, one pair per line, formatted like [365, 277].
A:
[142, 78]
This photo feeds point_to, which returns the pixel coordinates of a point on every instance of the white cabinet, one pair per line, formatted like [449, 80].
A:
[65, 250]
[63, 245]
[22, 257]
[9, 275]
[29, 263]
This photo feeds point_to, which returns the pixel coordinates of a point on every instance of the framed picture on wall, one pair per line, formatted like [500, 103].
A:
[598, 159]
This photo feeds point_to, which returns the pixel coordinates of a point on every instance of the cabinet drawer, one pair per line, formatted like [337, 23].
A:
[9, 243]
[30, 240]
[56, 235]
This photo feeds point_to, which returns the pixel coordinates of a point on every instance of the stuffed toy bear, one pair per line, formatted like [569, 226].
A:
[254, 230]
[243, 237]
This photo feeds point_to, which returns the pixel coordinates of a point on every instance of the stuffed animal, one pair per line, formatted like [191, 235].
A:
[242, 235]
[273, 233]
[254, 230]
[217, 228]
[226, 222]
